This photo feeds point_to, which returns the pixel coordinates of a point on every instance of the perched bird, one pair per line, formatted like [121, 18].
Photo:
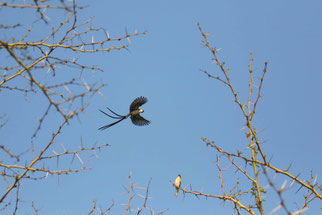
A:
[177, 183]
[134, 114]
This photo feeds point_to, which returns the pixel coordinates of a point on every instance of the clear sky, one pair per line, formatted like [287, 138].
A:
[184, 104]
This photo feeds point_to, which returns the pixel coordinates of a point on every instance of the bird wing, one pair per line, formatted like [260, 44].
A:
[139, 120]
[137, 103]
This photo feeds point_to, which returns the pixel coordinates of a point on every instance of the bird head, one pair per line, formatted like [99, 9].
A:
[141, 111]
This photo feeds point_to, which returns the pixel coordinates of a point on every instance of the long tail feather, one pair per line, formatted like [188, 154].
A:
[114, 117]
[114, 112]
[109, 125]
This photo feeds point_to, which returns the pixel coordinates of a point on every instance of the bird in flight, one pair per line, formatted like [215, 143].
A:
[177, 184]
[134, 114]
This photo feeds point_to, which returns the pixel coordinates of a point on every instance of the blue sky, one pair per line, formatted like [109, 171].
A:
[184, 104]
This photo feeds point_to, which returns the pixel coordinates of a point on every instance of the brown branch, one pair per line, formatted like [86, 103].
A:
[131, 192]
[146, 197]
[35, 6]
[277, 170]
[9, 153]
[17, 199]
[219, 175]
[33, 80]
[22, 70]
[259, 92]
[81, 149]
[33, 162]
[76, 47]
[279, 193]
[35, 209]
[225, 72]
[101, 211]
[222, 197]
[58, 172]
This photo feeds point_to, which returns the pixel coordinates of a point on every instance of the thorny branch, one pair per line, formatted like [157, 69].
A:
[132, 192]
[100, 210]
[253, 136]
[39, 157]
[231, 197]
[313, 187]
[49, 65]
[248, 111]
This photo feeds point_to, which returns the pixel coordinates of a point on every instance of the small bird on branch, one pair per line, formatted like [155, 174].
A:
[134, 114]
[177, 184]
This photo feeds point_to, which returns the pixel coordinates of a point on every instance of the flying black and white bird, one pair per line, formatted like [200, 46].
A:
[177, 184]
[134, 114]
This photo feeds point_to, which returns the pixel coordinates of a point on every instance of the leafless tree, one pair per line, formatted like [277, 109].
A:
[48, 66]
[256, 176]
